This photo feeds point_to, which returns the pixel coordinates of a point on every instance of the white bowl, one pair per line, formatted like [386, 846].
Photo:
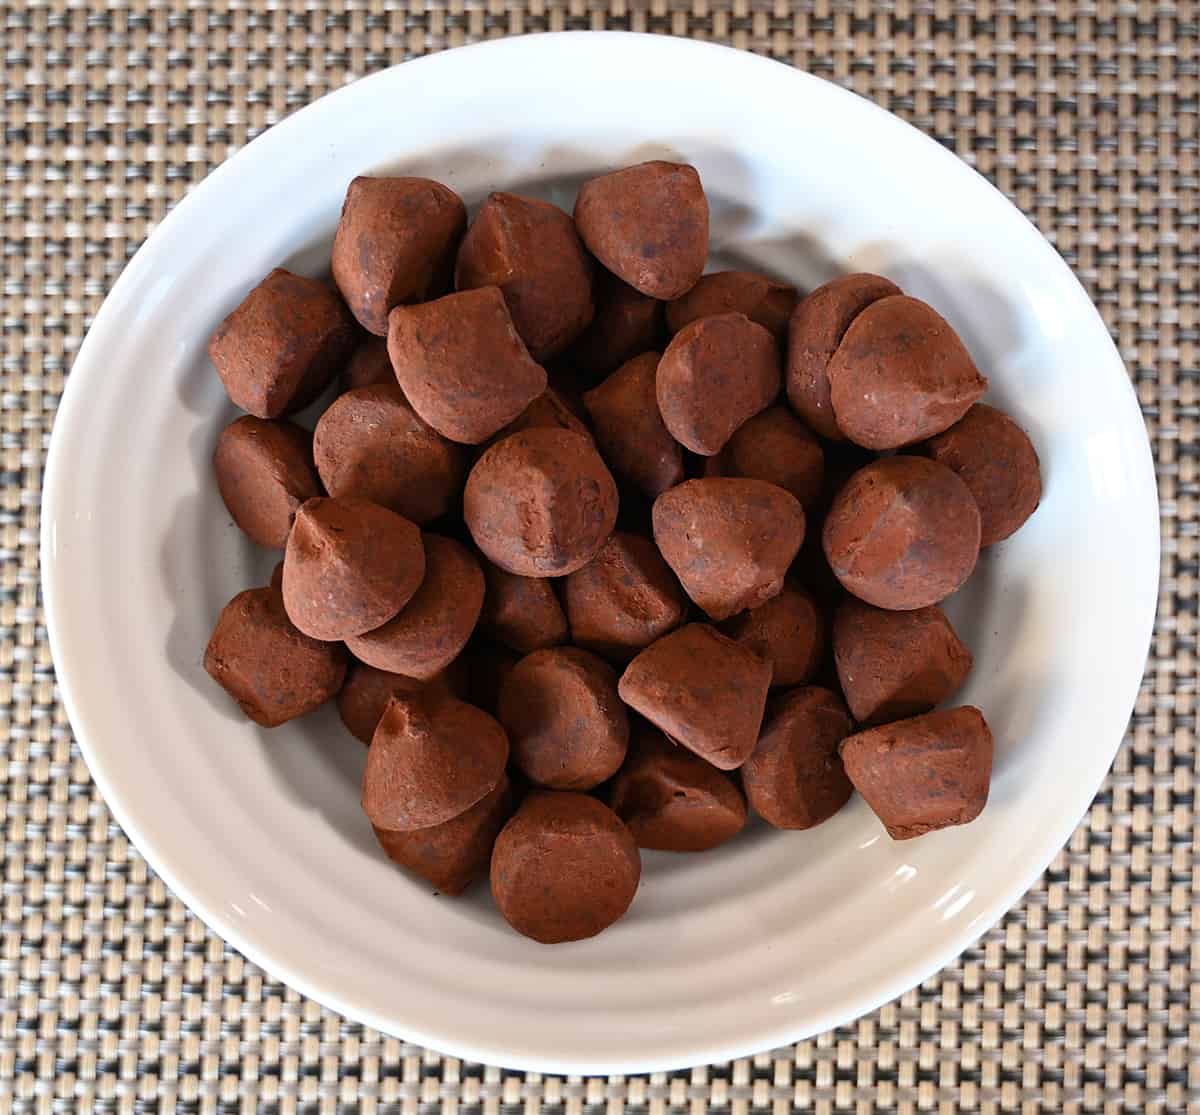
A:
[778, 935]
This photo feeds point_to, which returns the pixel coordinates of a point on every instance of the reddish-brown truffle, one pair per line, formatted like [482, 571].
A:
[704, 690]
[648, 224]
[280, 348]
[787, 631]
[273, 671]
[902, 533]
[729, 540]
[461, 364]
[350, 565]
[367, 692]
[369, 365]
[777, 447]
[627, 322]
[521, 612]
[395, 243]
[715, 374]
[761, 298]
[540, 503]
[548, 411]
[923, 774]
[564, 867]
[997, 461]
[794, 778]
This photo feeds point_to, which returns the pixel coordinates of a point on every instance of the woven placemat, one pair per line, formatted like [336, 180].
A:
[1086, 997]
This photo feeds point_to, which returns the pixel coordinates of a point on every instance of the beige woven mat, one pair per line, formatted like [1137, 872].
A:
[1086, 998]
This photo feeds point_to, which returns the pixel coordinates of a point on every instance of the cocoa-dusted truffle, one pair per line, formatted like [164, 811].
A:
[567, 726]
[549, 411]
[896, 664]
[627, 322]
[794, 777]
[367, 692]
[531, 251]
[521, 612]
[280, 348]
[630, 430]
[777, 447]
[564, 867]
[901, 374]
[787, 631]
[729, 540]
[369, 365]
[429, 761]
[540, 503]
[273, 671]
[455, 853]
[816, 329]
[434, 626]
[673, 800]
[648, 224]
[716, 373]
[902, 533]
[761, 298]
[395, 243]
[996, 460]
[264, 473]
[349, 566]
[925, 773]
[461, 364]
[704, 690]
[624, 598]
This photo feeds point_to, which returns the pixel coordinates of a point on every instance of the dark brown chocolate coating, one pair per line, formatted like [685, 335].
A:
[630, 429]
[430, 760]
[892, 665]
[729, 540]
[540, 503]
[995, 459]
[264, 473]
[564, 867]
[395, 243]
[648, 224]
[672, 800]
[349, 566]
[367, 691]
[703, 689]
[816, 329]
[901, 374]
[777, 447]
[788, 631]
[715, 374]
[273, 671]
[794, 779]
[369, 365]
[484, 666]
[627, 322]
[531, 251]
[433, 627]
[903, 533]
[521, 612]
[567, 726]
[762, 299]
[281, 347]
[925, 773]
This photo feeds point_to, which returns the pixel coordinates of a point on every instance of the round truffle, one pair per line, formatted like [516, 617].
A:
[521, 612]
[777, 447]
[369, 365]
[761, 298]
[367, 692]
[549, 411]
[787, 631]
[627, 322]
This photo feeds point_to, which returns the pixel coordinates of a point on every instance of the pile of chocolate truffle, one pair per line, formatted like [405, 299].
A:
[597, 552]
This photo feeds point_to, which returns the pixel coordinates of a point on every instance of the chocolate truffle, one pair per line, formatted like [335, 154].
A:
[349, 566]
[395, 243]
[816, 329]
[923, 774]
[434, 626]
[461, 364]
[902, 533]
[627, 322]
[716, 373]
[429, 761]
[540, 503]
[794, 777]
[531, 251]
[274, 672]
[624, 598]
[548, 411]
[564, 867]
[521, 612]
[729, 540]
[995, 459]
[901, 374]
[567, 726]
[896, 664]
[367, 692]
[264, 473]
[455, 853]
[672, 800]
[704, 690]
[648, 224]
[777, 447]
[787, 631]
[280, 348]
[369, 365]
[760, 298]
[630, 430]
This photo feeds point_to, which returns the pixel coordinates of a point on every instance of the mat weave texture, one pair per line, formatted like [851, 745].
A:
[1086, 998]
